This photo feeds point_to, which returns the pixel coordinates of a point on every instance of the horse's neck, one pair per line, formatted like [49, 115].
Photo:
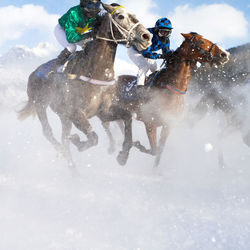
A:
[180, 71]
[99, 63]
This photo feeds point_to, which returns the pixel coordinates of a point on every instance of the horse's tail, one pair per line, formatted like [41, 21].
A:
[26, 111]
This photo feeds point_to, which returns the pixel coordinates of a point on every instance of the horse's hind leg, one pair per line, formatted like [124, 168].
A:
[47, 130]
[82, 123]
[66, 128]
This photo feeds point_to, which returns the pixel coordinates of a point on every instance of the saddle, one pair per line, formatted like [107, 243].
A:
[129, 91]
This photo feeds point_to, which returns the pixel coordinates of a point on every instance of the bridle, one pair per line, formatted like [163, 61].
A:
[127, 34]
[207, 53]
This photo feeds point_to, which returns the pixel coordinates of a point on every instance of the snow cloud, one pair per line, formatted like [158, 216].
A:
[17, 21]
[218, 22]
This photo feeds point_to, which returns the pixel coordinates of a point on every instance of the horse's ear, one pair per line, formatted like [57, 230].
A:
[187, 36]
[108, 8]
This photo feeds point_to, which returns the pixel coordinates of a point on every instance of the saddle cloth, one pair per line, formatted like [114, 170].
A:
[46, 68]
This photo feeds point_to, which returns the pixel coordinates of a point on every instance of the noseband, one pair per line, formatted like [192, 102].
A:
[207, 53]
[125, 33]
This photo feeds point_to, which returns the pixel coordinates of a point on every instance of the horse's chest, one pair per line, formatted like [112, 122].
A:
[163, 109]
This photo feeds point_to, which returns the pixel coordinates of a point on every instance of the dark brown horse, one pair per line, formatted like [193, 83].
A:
[83, 96]
[163, 104]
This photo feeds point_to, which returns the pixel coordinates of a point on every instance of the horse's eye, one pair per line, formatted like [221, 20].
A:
[120, 17]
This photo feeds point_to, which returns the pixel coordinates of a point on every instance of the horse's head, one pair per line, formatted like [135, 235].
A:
[202, 50]
[127, 28]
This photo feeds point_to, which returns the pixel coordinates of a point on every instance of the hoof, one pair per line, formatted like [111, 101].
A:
[75, 139]
[136, 144]
[60, 152]
[122, 158]
[81, 145]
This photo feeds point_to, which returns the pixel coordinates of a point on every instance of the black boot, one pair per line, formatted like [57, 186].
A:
[63, 57]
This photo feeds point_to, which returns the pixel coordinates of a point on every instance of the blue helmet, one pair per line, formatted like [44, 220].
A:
[163, 23]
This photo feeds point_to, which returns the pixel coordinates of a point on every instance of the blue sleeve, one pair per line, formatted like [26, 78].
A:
[148, 53]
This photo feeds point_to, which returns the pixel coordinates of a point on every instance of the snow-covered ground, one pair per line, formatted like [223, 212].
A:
[188, 203]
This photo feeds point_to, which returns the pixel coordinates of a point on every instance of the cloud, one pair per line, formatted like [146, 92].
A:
[44, 50]
[144, 10]
[17, 21]
[218, 22]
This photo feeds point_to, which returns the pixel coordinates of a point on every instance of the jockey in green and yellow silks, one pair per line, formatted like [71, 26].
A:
[75, 26]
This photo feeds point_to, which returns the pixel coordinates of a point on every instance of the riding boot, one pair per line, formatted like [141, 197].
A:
[63, 57]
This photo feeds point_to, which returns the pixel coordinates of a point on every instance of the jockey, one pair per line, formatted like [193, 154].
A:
[75, 26]
[146, 59]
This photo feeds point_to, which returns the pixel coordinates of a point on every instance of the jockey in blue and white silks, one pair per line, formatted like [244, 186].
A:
[146, 59]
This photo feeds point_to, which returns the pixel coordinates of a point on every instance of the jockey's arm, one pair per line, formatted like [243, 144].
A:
[148, 53]
[71, 32]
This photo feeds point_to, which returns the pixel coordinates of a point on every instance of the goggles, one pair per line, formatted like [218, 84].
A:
[164, 32]
[93, 6]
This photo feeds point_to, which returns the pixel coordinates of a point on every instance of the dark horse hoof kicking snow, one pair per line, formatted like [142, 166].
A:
[122, 158]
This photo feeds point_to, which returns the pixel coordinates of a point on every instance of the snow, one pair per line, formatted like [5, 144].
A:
[208, 147]
[188, 203]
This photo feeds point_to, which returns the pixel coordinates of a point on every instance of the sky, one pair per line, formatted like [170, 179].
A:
[30, 22]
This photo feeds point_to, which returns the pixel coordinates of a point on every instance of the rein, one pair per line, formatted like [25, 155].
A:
[125, 33]
[127, 38]
[208, 53]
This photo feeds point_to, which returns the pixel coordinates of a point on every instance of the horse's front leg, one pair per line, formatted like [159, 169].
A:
[127, 144]
[106, 126]
[152, 137]
[163, 137]
[117, 113]
[81, 122]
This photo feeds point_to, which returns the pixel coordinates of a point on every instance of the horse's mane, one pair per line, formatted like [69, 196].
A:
[178, 49]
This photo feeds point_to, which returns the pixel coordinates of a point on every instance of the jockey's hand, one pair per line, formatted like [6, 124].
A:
[83, 30]
[80, 30]
[168, 56]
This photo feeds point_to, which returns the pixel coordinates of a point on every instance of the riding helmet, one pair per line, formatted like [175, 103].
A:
[163, 23]
[91, 6]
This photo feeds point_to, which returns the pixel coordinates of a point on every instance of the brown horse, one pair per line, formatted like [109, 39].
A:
[79, 98]
[162, 104]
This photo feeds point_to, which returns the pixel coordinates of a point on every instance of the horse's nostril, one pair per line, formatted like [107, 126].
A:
[146, 36]
[223, 54]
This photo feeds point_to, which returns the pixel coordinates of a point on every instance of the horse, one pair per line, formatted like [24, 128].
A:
[76, 98]
[162, 104]
[227, 95]
[234, 108]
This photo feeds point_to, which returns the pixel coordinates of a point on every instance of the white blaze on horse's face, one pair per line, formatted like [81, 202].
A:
[138, 35]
